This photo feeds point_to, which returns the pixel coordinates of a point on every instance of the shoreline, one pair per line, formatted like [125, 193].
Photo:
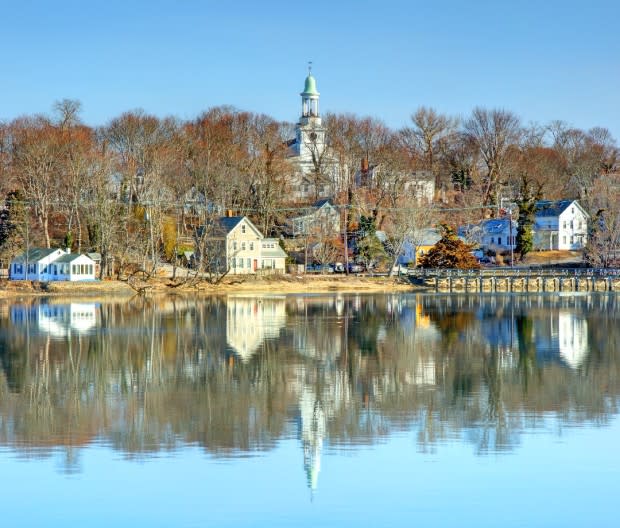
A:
[287, 284]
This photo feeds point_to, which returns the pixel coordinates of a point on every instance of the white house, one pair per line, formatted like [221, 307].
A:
[48, 264]
[498, 234]
[417, 184]
[235, 244]
[560, 225]
[321, 218]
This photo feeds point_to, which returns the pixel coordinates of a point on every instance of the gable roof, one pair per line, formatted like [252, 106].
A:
[224, 225]
[228, 223]
[320, 203]
[546, 208]
[35, 254]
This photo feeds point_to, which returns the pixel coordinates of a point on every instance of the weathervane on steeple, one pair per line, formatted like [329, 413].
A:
[309, 67]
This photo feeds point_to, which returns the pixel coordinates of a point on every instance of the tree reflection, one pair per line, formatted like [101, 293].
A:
[236, 374]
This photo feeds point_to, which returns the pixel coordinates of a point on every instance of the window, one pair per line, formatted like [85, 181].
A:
[242, 246]
[251, 246]
[233, 262]
[499, 241]
[572, 239]
[74, 269]
[241, 263]
[235, 246]
[249, 263]
[564, 239]
[564, 224]
[492, 240]
[243, 228]
[55, 268]
[90, 269]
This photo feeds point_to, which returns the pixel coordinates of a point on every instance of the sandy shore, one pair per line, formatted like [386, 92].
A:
[249, 284]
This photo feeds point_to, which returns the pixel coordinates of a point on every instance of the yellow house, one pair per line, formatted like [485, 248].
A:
[246, 249]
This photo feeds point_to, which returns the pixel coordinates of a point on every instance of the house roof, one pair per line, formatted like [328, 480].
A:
[228, 223]
[69, 257]
[549, 208]
[495, 225]
[275, 252]
[222, 226]
[427, 237]
[35, 254]
[320, 203]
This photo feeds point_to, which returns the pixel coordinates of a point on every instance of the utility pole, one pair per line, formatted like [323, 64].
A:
[510, 237]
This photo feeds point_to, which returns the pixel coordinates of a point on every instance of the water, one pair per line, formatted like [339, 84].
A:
[315, 410]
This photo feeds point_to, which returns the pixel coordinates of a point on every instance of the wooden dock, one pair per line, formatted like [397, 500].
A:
[513, 280]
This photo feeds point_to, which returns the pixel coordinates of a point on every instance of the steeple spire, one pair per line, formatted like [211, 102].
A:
[310, 96]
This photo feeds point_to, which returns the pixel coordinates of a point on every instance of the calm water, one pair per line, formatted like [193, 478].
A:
[317, 410]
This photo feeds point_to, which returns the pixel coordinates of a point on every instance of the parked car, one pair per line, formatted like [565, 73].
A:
[355, 268]
[339, 267]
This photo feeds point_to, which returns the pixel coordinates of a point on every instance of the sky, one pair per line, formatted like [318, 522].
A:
[544, 60]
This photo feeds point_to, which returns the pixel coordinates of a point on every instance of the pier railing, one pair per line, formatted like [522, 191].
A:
[519, 279]
[515, 272]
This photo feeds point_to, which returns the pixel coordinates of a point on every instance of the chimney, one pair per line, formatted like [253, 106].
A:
[229, 213]
[68, 251]
[364, 164]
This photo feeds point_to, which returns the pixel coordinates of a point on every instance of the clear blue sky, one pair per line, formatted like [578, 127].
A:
[543, 59]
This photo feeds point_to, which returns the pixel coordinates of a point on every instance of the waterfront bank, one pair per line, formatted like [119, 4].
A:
[442, 283]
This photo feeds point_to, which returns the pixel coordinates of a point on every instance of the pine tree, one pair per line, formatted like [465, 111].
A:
[527, 212]
[13, 226]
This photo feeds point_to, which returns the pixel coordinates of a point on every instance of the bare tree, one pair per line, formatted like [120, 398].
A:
[493, 132]
[429, 134]
[37, 152]
[407, 225]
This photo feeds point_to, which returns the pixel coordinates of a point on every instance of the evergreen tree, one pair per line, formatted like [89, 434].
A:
[527, 212]
[13, 226]
[450, 252]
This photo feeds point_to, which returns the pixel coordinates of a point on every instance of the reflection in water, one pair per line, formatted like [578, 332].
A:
[251, 320]
[237, 374]
[57, 320]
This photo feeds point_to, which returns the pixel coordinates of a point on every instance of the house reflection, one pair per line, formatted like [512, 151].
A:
[572, 339]
[564, 340]
[56, 320]
[252, 320]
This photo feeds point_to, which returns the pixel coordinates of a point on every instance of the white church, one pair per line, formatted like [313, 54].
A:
[317, 173]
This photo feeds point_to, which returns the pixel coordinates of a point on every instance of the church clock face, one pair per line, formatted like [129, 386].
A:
[313, 136]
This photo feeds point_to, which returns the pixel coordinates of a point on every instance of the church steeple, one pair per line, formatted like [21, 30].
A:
[309, 97]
